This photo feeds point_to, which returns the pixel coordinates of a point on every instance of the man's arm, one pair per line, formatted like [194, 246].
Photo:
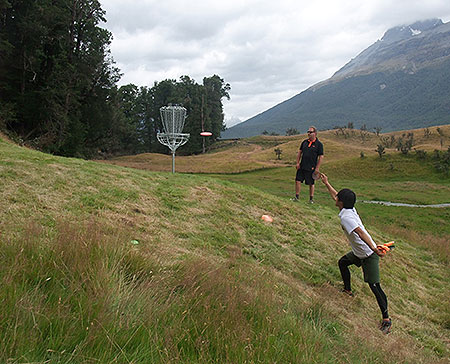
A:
[299, 157]
[364, 237]
[331, 190]
[319, 161]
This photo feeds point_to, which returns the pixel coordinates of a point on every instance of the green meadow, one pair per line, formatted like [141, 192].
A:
[102, 263]
[395, 178]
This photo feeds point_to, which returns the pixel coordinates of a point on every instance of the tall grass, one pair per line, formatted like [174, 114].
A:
[207, 282]
[83, 294]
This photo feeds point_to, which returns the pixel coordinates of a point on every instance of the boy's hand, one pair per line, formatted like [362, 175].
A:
[380, 252]
[324, 178]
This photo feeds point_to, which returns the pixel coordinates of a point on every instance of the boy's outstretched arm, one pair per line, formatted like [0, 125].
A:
[331, 190]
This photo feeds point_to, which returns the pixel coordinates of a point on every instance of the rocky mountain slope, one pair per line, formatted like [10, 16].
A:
[400, 82]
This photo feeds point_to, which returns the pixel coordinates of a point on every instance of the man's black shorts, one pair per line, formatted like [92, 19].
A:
[303, 175]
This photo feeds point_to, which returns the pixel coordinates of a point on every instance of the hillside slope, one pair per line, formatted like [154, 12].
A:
[105, 264]
[400, 82]
[249, 154]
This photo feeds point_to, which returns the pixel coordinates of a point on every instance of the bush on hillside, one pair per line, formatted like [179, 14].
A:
[278, 152]
[442, 161]
[421, 154]
[380, 150]
[292, 131]
[405, 143]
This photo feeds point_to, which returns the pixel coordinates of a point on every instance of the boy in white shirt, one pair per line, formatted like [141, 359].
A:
[364, 251]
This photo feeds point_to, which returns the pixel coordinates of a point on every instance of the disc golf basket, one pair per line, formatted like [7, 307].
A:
[173, 118]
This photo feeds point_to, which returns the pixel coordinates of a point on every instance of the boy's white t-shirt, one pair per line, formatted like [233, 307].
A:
[350, 220]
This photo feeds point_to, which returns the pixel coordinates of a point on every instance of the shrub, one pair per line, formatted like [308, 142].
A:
[421, 154]
[278, 152]
[405, 143]
[292, 131]
[380, 150]
[442, 163]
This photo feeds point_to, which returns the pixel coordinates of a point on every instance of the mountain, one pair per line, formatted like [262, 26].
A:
[402, 81]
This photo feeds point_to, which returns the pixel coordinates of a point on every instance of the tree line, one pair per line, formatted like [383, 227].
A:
[59, 86]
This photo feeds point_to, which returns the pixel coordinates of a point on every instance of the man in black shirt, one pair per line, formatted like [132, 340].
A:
[309, 158]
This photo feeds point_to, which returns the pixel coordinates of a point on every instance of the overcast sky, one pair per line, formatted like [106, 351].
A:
[267, 50]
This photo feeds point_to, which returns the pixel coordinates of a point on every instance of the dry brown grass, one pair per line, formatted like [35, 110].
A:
[256, 153]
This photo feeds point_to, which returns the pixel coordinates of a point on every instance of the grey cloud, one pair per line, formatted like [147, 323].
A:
[268, 51]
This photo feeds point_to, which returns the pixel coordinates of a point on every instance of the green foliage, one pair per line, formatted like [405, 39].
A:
[203, 104]
[442, 161]
[278, 152]
[377, 130]
[58, 86]
[405, 143]
[59, 89]
[344, 131]
[388, 142]
[421, 154]
[292, 131]
[380, 150]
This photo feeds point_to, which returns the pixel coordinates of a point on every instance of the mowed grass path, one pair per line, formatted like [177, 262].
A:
[208, 281]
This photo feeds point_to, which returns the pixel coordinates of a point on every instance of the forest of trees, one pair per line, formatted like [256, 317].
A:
[59, 86]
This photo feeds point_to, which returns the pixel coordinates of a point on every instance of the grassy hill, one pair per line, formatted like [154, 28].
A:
[236, 156]
[106, 264]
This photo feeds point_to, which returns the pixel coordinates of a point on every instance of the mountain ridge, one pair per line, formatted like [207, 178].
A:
[399, 82]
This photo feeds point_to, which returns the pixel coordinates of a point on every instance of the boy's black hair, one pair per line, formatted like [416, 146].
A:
[348, 197]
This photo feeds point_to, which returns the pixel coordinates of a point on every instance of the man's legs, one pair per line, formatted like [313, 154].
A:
[344, 263]
[297, 188]
[311, 192]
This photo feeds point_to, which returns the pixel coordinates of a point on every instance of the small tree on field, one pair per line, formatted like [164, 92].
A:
[292, 131]
[405, 143]
[278, 152]
[392, 142]
[441, 136]
[426, 133]
[364, 133]
[385, 141]
[377, 130]
[380, 150]
[421, 154]
[442, 163]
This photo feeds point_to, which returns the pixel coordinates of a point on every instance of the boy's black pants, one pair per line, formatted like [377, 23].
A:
[344, 263]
